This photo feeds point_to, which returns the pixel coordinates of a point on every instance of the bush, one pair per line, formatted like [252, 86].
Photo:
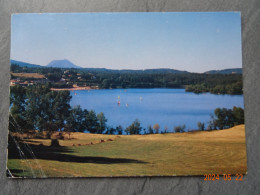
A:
[156, 127]
[150, 129]
[179, 129]
[201, 126]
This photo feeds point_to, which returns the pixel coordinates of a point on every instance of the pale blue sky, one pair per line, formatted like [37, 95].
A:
[193, 41]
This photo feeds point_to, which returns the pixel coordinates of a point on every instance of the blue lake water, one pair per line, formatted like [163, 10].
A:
[167, 107]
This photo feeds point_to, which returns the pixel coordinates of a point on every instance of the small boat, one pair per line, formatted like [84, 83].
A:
[126, 105]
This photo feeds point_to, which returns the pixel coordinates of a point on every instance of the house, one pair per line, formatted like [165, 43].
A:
[13, 82]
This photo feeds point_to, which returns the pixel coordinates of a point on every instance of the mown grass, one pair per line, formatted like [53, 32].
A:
[196, 153]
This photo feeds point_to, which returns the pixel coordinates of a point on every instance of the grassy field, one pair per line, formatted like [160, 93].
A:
[29, 75]
[193, 153]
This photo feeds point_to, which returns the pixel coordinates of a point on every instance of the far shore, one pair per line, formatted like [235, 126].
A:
[74, 88]
[91, 88]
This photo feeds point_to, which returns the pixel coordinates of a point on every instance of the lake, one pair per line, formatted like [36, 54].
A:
[167, 107]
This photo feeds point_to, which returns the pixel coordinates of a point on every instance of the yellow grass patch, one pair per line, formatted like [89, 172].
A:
[193, 153]
[29, 75]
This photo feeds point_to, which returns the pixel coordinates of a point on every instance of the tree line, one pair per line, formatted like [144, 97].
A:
[234, 88]
[193, 82]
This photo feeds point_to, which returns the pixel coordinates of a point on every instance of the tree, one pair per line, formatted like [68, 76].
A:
[101, 122]
[92, 122]
[61, 109]
[55, 77]
[47, 110]
[119, 130]
[211, 124]
[150, 129]
[76, 121]
[106, 83]
[165, 129]
[15, 68]
[134, 128]
[39, 110]
[225, 118]
[17, 117]
[201, 126]
[179, 129]
[156, 127]
[238, 114]
[110, 130]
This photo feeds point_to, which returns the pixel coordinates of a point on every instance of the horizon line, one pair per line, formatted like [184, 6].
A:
[80, 67]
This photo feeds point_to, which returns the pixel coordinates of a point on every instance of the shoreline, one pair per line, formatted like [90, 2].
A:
[95, 88]
[72, 89]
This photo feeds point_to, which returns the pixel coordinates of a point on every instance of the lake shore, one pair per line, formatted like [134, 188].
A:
[74, 88]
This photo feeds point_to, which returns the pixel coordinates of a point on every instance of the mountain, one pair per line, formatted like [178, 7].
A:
[62, 64]
[225, 71]
[24, 64]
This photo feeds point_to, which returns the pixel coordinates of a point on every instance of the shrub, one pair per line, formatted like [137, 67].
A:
[201, 126]
[179, 129]
[156, 127]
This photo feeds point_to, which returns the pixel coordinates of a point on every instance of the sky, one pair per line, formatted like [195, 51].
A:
[191, 41]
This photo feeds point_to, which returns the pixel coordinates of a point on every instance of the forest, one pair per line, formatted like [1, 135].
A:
[158, 78]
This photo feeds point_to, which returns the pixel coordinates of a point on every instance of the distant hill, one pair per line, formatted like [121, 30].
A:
[62, 64]
[24, 64]
[67, 64]
[148, 71]
[225, 71]
[165, 70]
